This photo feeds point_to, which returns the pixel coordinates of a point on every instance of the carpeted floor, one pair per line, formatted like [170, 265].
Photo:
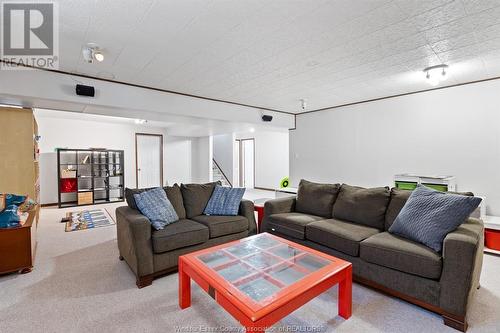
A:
[79, 285]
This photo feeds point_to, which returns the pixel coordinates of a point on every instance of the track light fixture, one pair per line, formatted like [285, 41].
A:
[92, 52]
[436, 74]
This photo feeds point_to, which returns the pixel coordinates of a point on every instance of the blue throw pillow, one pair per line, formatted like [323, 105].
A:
[224, 201]
[429, 215]
[155, 205]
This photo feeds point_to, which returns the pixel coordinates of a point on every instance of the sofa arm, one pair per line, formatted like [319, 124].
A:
[247, 210]
[134, 240]
[277, 206]
[462, 263]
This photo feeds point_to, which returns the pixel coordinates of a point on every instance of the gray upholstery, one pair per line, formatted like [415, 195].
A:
[134, 240]
[196, 197]
[316, 199]
[179, 234]
[394, 252]
[149, 253]
[429, 215]
[174, 195]
[223, 225]
[446, 282]
[462, 262]
[247, 210]
[169, 260]
[339, 235]
[398, 200]
[426, 290]
[365, 206]
[292, 224]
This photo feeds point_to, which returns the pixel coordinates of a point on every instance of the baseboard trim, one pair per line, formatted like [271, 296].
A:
[48, 204]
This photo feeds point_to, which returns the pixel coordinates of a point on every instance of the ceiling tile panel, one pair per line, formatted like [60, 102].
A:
[271, 53]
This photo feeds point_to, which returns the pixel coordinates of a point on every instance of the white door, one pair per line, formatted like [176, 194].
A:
[149, 160]
[247, 167]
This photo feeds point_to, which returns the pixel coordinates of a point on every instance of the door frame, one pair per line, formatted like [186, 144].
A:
[161, 157]
[240, 160]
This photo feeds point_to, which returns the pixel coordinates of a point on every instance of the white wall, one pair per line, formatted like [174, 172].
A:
[57, 132]
[202, 155]
[224, 153]
[454, 131]
[271, 157]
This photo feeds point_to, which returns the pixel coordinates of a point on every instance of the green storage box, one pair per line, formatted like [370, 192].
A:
[406, 185]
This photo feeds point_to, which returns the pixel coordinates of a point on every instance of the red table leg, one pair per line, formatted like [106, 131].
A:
[345, 294]
[184, 287]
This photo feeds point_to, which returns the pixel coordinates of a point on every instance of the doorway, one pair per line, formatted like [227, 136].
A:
[148, 160]
[246, 162]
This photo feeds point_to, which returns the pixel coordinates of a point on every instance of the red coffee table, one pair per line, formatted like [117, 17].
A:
[261, 279]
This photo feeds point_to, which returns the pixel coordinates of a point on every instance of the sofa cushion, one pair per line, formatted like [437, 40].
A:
[177, 235]
[224, 201]
[398, 200]
[196, 197]
[429, 215]
[365, 206]
[291, 224]
[174, 195]
[223, 225]
[316, 199]
[398, 253]
[339, 235]
[155, 205]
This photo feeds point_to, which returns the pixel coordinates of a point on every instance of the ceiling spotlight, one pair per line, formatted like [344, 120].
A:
[140, 121]
[98, 56]
[436, 74]
[92, 52]
[303, 104]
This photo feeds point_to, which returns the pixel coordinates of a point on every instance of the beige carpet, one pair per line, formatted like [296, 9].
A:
[79, 285]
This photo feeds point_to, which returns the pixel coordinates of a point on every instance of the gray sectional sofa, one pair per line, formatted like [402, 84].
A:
[351, 223]
[152, 253]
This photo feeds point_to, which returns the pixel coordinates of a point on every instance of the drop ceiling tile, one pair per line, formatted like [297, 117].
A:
[454, 43]
[450, 30]
[476, 6]
[439, 16]
[415, 7]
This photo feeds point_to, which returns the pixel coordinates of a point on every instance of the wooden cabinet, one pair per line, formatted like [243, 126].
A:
[19, 167]
[18, 246]
[19, 172]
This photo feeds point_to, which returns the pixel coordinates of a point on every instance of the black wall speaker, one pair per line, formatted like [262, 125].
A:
[266, 117]
[82, 90]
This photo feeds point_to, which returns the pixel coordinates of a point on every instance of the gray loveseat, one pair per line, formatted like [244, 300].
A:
[351, 223]
[152, 253]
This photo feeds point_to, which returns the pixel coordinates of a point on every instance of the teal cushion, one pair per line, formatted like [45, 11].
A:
[155, 205]
[429, 215]
[224, 201]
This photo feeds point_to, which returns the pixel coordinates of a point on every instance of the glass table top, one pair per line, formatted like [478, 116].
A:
[261, 266]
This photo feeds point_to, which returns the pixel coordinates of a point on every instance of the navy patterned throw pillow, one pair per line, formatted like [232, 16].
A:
[224, 201]
[429, 215]
[155, 205]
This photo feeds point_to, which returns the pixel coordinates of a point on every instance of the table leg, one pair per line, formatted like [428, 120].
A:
[184, 287]
[345, 294]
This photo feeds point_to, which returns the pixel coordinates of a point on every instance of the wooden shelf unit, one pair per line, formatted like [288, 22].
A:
[96, 176]
[19, 164]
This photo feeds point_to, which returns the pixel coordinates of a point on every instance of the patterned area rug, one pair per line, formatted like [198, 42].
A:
[88, 219]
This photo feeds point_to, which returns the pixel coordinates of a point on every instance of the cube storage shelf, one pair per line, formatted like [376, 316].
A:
[89, 176]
